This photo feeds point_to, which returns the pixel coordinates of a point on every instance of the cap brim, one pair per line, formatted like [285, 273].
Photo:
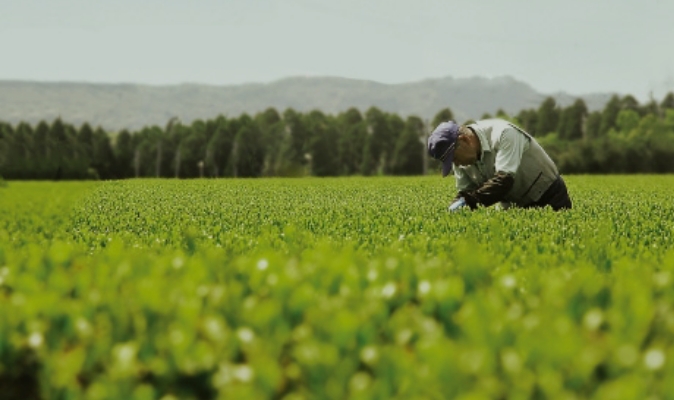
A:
[447, 165]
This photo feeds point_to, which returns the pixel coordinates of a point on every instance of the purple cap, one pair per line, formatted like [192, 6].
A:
[441, 144]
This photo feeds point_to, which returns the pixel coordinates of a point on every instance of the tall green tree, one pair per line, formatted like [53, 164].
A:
[323, 144]
[90, 148]
[609, 115]
[651, 107]
[219, 148]
[4, 138]
[166, 145]
[572, 120]
[248, 152]
[193, 151]
[177, 139]
[662, 142]
[267, 119]
[396, 125]
[378, 139]
[145, 152]
[408, 156]
[124, 152]
[298, 139]
[441, 116]
[6, 144]
[527, 120]
[668, 102]
[16, 157]
[3, 158]
[103, 161]
[85, 139]
[593, 125]
[294, 144]
[547, 118]
[272, 128]
[68, 162]
[627, 121]
[26, 152]
[629, 102]
[58, 145]
[41, 137]
[4, 127]
[352, 141]
[500, 113]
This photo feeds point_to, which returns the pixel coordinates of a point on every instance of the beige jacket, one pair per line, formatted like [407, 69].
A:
[507, 148]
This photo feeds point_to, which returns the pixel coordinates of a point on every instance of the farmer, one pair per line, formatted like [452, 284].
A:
[496, 161]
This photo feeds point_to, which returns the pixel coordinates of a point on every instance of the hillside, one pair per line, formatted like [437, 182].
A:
[132, 106]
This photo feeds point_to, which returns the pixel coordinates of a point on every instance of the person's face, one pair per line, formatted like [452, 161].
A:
[465, 152]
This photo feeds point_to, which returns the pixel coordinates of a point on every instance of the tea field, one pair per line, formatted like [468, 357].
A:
[345, 288]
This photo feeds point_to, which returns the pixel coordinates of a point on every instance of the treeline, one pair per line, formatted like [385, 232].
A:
[624, 137]
[266, 144]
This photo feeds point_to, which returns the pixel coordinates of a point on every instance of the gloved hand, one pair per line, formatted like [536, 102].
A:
[457, 205]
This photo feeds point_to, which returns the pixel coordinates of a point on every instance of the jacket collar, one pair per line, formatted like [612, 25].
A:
[484, 143]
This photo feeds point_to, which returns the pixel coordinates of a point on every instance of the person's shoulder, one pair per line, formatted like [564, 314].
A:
[490, 121]
[493, 124]
[492, 127]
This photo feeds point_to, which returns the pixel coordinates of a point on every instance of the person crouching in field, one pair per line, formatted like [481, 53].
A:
[497, 161]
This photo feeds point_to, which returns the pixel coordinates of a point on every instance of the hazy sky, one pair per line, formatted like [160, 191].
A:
[578, 46]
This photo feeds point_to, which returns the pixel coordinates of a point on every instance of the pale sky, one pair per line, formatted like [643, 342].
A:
[577, 46]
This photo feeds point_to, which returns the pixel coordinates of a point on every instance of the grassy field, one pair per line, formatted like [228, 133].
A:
[358, 288]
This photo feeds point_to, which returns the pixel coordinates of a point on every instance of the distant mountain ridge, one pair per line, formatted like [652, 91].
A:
[132, 106]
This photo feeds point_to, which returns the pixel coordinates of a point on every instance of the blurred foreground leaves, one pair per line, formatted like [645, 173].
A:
[340, 288]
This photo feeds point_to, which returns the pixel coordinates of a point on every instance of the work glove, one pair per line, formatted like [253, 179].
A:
[457, 205]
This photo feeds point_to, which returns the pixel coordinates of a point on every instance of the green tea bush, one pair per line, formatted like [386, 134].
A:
[333, 288]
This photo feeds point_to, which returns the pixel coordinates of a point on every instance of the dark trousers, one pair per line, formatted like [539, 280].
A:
[556, 197]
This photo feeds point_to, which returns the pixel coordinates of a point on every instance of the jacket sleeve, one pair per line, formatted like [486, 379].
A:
[492, 191]
[510, 148]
